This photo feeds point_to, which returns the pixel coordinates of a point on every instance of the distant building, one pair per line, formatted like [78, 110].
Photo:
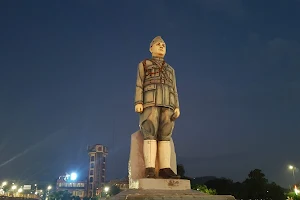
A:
[97, 168]
[75, 187]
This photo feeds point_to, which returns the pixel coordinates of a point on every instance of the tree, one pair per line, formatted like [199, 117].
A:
[223, 186]
[256, 185]
[204, 189]
[238, 190]
[5, 188]
[60, 195]
[75, 198]
[257, 174]
[180, 170]
[293, 196]
[114, 190]
[275, 192]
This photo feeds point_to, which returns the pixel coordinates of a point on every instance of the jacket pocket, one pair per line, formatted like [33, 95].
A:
[149, 93]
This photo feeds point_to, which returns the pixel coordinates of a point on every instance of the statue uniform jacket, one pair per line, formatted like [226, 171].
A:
[156, 84]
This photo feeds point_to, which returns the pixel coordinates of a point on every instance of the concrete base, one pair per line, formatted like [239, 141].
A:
[139, 194]
[136, 164]
[163, 189]
[163, 184]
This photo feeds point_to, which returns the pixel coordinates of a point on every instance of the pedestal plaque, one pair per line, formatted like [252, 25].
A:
[163, 184]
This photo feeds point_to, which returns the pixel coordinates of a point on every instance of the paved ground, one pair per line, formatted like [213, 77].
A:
[136, 194]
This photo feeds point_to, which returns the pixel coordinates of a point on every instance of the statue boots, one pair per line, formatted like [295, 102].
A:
[164, 153]
[150, 149]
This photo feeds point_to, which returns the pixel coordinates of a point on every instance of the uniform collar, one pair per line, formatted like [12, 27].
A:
[157, 58]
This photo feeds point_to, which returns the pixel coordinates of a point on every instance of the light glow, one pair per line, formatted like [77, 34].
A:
[106, 189]
[296, 190]
[73, 176]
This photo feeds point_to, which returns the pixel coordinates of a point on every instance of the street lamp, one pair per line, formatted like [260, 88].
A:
[73, 176]
[14, 187]
[49, 187]
[35, 185]
[4, 183]
[106, 189]
[291, 167]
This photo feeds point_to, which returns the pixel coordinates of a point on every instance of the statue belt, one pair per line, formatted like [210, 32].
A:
[158, 81]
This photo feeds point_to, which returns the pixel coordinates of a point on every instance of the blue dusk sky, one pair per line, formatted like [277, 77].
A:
[68, 72]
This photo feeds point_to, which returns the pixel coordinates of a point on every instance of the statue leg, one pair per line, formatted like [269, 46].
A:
[149, 126]
[165, 129]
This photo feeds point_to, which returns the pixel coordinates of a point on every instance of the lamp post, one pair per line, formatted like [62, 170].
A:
[2, 190]
[293, 168]
[106, 189]
[48, 189]
[20, 190]
[13, 187]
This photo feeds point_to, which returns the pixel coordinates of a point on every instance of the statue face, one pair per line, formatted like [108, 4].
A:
[158, 49]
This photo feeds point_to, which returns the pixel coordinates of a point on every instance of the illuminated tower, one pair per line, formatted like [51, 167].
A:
[97, 154]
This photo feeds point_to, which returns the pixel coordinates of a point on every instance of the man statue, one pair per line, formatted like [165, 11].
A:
[156, 100]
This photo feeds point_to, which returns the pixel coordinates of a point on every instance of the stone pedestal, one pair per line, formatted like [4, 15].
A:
[139, 194]
[157, 189]
[136, 164]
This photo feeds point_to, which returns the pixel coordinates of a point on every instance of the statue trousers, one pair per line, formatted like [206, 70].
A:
[156, 124]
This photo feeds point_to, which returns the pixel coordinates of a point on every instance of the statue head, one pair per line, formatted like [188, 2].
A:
[158, 47]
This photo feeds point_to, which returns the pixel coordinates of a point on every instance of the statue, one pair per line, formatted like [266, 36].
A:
[152, 153]
[156, 101]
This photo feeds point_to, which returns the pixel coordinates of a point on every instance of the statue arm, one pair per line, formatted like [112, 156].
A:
[139, 89]
[175, 91]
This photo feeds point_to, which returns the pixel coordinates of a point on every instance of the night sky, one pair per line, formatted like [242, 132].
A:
[68, 72]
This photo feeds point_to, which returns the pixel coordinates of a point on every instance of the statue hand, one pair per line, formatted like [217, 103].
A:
[139, 108]
[176, 113]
